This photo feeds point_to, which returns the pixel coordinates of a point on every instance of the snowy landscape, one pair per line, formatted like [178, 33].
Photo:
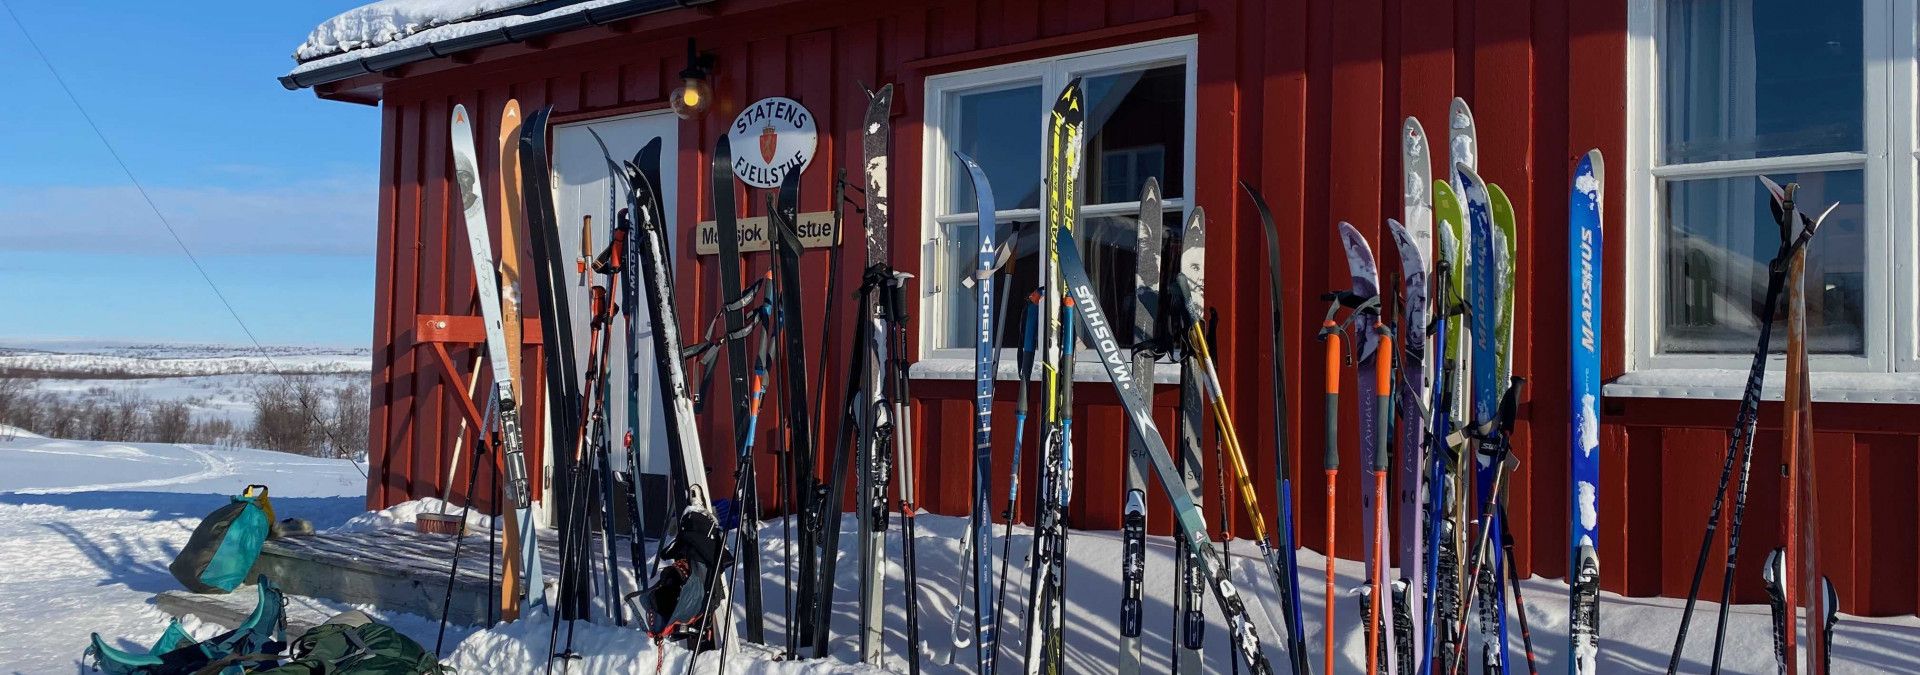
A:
[87, 529]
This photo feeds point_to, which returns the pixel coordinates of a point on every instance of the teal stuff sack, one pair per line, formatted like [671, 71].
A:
[222, 549]
[256, 644]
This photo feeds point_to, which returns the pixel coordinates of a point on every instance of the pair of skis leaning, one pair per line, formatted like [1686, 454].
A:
[1785, 273]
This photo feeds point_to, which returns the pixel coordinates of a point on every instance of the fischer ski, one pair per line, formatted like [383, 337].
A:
[985, 361]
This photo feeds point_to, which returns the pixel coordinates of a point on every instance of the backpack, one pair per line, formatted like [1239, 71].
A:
[223, 547]
[256, 643]
[352, 644]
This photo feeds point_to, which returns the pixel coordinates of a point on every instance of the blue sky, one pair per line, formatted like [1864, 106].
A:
[274, 190]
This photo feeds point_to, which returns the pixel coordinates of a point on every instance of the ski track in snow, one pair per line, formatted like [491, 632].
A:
[211, 467]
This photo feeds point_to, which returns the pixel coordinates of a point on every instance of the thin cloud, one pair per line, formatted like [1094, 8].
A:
[326, 217]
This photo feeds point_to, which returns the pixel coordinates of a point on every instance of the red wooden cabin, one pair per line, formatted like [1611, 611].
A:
[1304, 99]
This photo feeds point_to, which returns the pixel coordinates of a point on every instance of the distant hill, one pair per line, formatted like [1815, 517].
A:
[106, 359]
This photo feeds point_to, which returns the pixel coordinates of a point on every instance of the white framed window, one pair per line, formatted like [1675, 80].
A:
[1722, 91]
[1140, 124]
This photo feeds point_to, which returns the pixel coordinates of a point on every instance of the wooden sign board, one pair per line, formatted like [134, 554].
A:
[815, 229]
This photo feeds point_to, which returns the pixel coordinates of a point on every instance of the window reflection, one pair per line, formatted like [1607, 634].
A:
[1720, 235]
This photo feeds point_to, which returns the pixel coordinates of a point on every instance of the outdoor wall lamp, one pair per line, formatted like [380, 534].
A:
[694, 95]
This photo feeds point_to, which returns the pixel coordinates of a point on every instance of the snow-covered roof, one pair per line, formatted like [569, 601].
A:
[379, 23]
[391, 33]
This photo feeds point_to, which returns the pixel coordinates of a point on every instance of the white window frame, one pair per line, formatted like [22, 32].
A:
[1891, 311]
[1051, 74]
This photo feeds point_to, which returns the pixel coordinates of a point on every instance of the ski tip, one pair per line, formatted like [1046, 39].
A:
[1779, 194]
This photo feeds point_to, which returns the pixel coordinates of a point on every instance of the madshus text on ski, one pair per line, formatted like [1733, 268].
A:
[1430, 353]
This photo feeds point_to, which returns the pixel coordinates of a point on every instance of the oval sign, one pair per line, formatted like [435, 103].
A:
[772, 136]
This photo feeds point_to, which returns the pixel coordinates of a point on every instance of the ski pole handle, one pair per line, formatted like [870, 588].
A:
[1383, 374]
[1332, 462]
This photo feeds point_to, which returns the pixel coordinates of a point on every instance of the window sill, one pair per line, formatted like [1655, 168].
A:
[1083, 371]
[1730, 384]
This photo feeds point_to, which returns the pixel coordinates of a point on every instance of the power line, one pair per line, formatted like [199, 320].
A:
[142, 189]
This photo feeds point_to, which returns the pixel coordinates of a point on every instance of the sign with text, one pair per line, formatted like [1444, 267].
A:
[815, 230]
[772, 136]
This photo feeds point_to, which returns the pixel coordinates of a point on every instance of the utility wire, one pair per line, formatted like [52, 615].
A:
[137, 186]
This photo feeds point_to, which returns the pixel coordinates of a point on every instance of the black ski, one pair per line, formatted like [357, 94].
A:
[728, 234]
[1133, 522]
[792, 325]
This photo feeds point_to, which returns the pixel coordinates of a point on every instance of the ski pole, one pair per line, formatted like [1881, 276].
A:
[1025, 364]
[1383, 373]
[1498, 434]
[1519, 603]
[1330, 333]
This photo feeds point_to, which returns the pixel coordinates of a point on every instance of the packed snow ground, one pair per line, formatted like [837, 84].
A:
[87, 529]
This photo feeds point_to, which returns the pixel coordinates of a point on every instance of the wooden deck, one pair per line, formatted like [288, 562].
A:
[392, 570]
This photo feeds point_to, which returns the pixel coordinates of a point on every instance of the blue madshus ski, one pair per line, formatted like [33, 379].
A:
[1463, 147]
[1442, 589]
[1190, 619]
[480, 244]
[727, 234]
[1483, 292]
[1289, 567]
[1133, 521]
[1414, 242]
[1065, 128]
[1367, 331]
[1584, 252]
[1190, 522]
[985, 361]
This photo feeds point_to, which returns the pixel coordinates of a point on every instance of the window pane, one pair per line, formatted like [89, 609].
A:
[1106, 245]
[1016, 282]
[1000, 130]
[1136, 128]
[1720, 236]
[1761, 78]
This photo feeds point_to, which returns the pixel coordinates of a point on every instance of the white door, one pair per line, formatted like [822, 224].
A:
[583, 188]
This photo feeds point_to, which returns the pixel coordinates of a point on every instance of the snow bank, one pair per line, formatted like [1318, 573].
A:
[382, 22]
[402, 516]
[8, 433]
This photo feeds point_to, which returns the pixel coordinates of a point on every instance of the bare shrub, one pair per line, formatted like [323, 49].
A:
[169, 422]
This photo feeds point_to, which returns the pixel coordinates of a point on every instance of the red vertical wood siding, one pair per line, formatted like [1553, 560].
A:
[1304, 99]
